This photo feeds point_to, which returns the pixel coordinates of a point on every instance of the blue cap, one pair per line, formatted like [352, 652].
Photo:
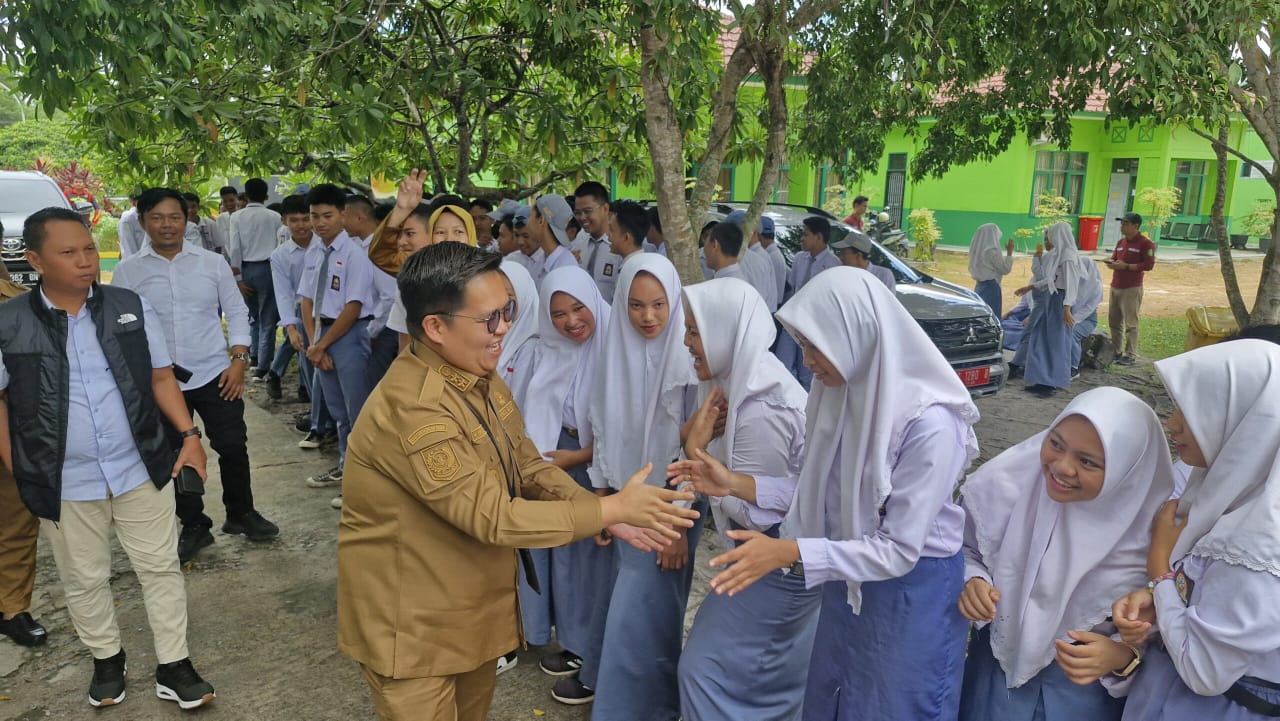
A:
[520, 217]
[766, 227]
[736, 216]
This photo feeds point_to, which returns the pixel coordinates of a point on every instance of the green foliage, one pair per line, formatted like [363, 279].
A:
[1050, 209]
[1259, 221]
[1160, 204]
[107, 234]
[23, 143]
[924, 232]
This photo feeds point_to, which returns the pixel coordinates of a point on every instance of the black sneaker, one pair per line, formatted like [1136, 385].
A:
[571, 691]
[333, 477]
[507, 661]
[252, 525]
[303, 395]
[302, 422]
[24, 630]
[1015, 372]
[1075, 373]
[107, 686]
[311, 442]
[178, 681]
[274, 391]
[565, 663]
[1126, 360]
[191, 540]
[260, 375]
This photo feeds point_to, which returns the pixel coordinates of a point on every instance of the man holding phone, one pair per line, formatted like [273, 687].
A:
[1134, 255]
[86, 385]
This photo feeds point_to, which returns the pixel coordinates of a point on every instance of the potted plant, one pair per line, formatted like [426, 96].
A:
[1258, 223]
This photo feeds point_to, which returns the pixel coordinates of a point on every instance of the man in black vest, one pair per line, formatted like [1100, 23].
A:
[86, 387]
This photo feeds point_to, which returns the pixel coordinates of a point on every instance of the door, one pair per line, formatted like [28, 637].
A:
[896, 187]
[1124, 176]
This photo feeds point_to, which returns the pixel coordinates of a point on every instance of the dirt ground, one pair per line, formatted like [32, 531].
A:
[262, 617]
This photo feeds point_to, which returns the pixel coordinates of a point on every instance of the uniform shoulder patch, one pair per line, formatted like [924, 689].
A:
[425, 431]
[455, 378]
[441, 461]
[506, 411]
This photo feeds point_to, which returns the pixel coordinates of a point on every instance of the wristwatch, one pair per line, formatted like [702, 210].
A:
[241, 357]
[194, 431]
[1133, 665]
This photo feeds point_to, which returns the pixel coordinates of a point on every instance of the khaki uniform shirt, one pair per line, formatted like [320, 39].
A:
[426, 546]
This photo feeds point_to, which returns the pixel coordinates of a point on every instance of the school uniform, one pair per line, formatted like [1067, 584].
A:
[772, 622]
[286, 273]
[132, 236]
[804, 267]
[733, 270]
[1085, 311]
[988, 264]
[873, 514]
[253, 238]
[758, 268]
[653, 248]
[1045, 351]
[533, 263]
[333, 276]
[1058, 566]
[779, 268]
[595, 257]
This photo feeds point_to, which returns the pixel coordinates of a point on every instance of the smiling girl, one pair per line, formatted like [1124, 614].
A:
[1055, 526]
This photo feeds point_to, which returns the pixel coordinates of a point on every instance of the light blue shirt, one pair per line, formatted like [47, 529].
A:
[648, 247]
[102, 458]
[286, 273]
[805, 266]
[349, 278]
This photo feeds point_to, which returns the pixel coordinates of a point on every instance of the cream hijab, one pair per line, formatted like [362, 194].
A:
[892, 373]
[637, 405]
[1230, 396]
[736, 331]
[563, 366]
[1059, 566]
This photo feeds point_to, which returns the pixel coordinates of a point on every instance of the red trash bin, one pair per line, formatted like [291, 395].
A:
[1090, 231]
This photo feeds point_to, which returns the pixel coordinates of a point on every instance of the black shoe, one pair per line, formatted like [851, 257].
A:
[1041, 391]
[252, 525]
[191, 540]
[571, 691]
[260, 375]
[24, 630]
[506, 662]
[178, 681]
[1075, 373]
[1126, 360]
[107, 686]
[302, 423]
[311, 442]
[303, 395]
[565, 663]
[274, 391]
[1015, 372]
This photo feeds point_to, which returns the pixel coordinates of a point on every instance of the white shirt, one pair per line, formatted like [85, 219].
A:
[604, 266]
[779, 268]
[560, 257]
[768, 444]
[733, 270]
[253, 234]
[222, 233]
[187, 293]
[283, 235]
[805, 266]
[533, 263]
[132, 237]
[192, 235]
[398, 319]
[517, 256]
[350, 277]
[648, 247]
[385, 286]
[884, 275]
[758, 269]
[286, 273]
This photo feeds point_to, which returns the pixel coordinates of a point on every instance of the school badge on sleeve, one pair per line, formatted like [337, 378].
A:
[441, 461]
[1184, 585]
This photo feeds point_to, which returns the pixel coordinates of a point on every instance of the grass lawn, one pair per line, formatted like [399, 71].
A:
[1160, 337]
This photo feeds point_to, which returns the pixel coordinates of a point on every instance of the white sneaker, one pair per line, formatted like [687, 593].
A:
[507, 662]
[336, 503]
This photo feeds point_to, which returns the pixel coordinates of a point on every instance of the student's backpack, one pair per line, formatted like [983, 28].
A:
[1096, 352]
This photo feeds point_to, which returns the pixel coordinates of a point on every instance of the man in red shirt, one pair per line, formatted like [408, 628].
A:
[859, 210]
[1133, 257]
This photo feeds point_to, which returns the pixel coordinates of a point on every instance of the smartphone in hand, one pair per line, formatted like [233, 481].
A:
[188, 482]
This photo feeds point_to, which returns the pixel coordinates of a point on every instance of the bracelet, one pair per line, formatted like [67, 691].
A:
[1151, 585]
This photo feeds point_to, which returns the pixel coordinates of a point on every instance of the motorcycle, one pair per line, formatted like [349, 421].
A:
[881, 229]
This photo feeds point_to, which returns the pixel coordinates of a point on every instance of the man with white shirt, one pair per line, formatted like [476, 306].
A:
[199, 228]
[813, 259]
[655, 241]
[360, 224]
[550, 216]
[767, 231]
[529, 244]
[591, 208]
[628, 227]
[222, 224]
[253, 237]
[129, 230]
[722, 249]
[854, 250]
[757, 269]
[191, 289]
[357, 219]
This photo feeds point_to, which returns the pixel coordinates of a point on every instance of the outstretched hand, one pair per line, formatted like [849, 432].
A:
[649, 507]
[704, 473]
[749, 562]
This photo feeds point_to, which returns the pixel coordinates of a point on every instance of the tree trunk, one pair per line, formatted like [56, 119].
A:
[1234, 298]
[773, 69]
[1266, 308]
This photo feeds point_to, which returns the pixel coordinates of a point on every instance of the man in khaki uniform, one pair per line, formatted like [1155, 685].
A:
[441, 487]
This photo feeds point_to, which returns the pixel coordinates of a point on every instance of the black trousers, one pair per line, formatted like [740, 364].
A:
[223, 424]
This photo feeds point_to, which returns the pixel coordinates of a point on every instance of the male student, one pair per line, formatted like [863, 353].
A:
[548, 223]
[854, 250]
[481, 216]
[129, 230]
[360, 224]
[768, 239]
[628, 227]
[757, 269]
[591, 208]
[338, 301]
[813, 259]
[655, 241]
[722, 249]
[253, 237]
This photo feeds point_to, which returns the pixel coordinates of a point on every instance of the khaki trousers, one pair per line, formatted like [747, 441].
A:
[19, 531]
[145, 523]
[462, 697]
[1123, 320]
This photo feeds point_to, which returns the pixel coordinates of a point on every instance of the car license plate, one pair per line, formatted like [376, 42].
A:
[972, 377]
[23, 278]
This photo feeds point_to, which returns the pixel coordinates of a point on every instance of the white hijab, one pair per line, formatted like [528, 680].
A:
[1230, 396]
[564, 366]
[1064, 257]
[893, 373]
[525, 326]
[737, 330]
[985, 245]
[1090, 290]
[1059, 566]
[637, 404]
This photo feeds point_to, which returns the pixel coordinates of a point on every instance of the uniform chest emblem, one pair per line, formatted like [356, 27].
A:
[441, 461]
[608, 270]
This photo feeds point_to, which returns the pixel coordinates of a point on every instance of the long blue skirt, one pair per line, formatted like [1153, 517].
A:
[748, 655]
[989, 291]
[1158, 694]
[901, 658]
[643, 635]
[1049, 696]
[535, 608]
[1045, 352]
[581, 576]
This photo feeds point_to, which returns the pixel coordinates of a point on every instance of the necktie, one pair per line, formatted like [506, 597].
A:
[591, 258]
[322, 284]
[808, 270]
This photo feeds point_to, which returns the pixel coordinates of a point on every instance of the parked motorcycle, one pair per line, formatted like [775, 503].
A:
[882, 230]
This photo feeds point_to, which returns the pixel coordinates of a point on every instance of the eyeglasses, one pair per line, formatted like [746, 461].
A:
[507, 313]
[584, 212]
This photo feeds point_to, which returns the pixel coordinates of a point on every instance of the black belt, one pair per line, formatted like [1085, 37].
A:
[247, 262]
[326, 322]
[1242, 696]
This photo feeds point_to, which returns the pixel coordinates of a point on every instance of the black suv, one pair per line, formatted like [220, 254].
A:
[23, 192]
[958, 322]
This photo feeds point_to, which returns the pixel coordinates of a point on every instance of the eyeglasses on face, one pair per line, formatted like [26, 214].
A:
[584, 212]
[507, 313]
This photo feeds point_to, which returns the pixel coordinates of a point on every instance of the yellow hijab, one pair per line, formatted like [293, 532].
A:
[461, 213]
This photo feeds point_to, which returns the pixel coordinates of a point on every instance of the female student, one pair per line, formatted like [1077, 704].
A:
[572, 319]
[644, 391]
[987, 265]
[1214, 566]
[1044, 356]
[888, 433]
[1054, 526]
[747, 656]
[516, 362]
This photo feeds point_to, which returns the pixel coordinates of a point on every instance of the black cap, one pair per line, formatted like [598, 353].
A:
[1131, 218]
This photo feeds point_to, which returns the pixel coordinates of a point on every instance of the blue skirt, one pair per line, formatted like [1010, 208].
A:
[901, 658]
[1049, 696]
[748, 655]
[643, 634]
[1045, 353]
[989, 291]
[535, 608]
[581, 576]
[1158, 694]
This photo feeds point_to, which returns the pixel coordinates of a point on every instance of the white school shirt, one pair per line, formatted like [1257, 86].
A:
[187, 294]
[768, 444]
[884, 275]
[517, 256]
[130, 232]
[561, 257]
[606, 266]
[758, 269]
[804, 267]
[253, 234]
[350, 277]
[648, 247]
[222, 233]
[286, 272]
[779, 268]
[733, 270]
[929, 463]
[283, 235]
